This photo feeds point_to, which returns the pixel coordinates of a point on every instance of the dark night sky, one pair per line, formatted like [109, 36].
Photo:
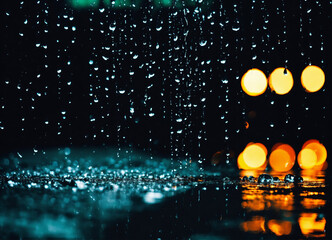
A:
[74, 103]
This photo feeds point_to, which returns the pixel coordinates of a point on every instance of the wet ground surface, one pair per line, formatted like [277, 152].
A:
[76, 194]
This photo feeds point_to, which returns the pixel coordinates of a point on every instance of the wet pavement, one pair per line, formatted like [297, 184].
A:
[97, 194]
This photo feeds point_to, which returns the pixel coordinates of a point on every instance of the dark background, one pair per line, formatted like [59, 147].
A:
[51, 96]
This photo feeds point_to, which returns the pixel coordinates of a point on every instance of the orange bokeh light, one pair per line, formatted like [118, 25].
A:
[281, 81]
[282, 158]
[312, 78]
[289, 150]
[307, 158]
[309, 141]
[275, 146]
[321, 167]
[254, 82]
[281, 161]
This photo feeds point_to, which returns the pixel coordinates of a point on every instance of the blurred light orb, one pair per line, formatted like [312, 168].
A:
[262, 146]
[254, 155]
[275, 146]
[307, 158]
[281, 161]
[263, 167]
[254, 82]
[289, 150]
[240, 162]
[281, 81]
[319, 150]
[312, 78]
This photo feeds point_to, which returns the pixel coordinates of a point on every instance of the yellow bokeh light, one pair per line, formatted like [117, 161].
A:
[307, 158]
[312, 78]
[254, 82]
[240, 162]
[263, 167]
[320, 151]
[254, 155]
[281, 161]
[281, 81]
[262, 146]
[280, 228]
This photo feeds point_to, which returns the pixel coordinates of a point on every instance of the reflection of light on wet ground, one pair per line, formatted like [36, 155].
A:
[256, 225]
[264, 201]
[279, 227]
[312, 203]
[153, 197]
[312, 224]
[281, 208]
[84, 191]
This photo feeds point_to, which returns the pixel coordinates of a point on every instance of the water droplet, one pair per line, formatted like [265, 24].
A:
[265, 179]
[203, 43]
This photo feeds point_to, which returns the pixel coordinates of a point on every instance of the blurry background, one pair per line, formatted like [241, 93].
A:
[163, 77]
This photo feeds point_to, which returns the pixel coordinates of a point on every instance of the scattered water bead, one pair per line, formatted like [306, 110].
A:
[265, 179]
[68, 182]
[226, 179]
[276, 180]
[252, 179]
[298, 179]
[245, 178]
[289, 178]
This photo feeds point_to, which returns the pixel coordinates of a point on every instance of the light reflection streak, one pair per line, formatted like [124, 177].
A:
[279, 227]
[312, 224]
